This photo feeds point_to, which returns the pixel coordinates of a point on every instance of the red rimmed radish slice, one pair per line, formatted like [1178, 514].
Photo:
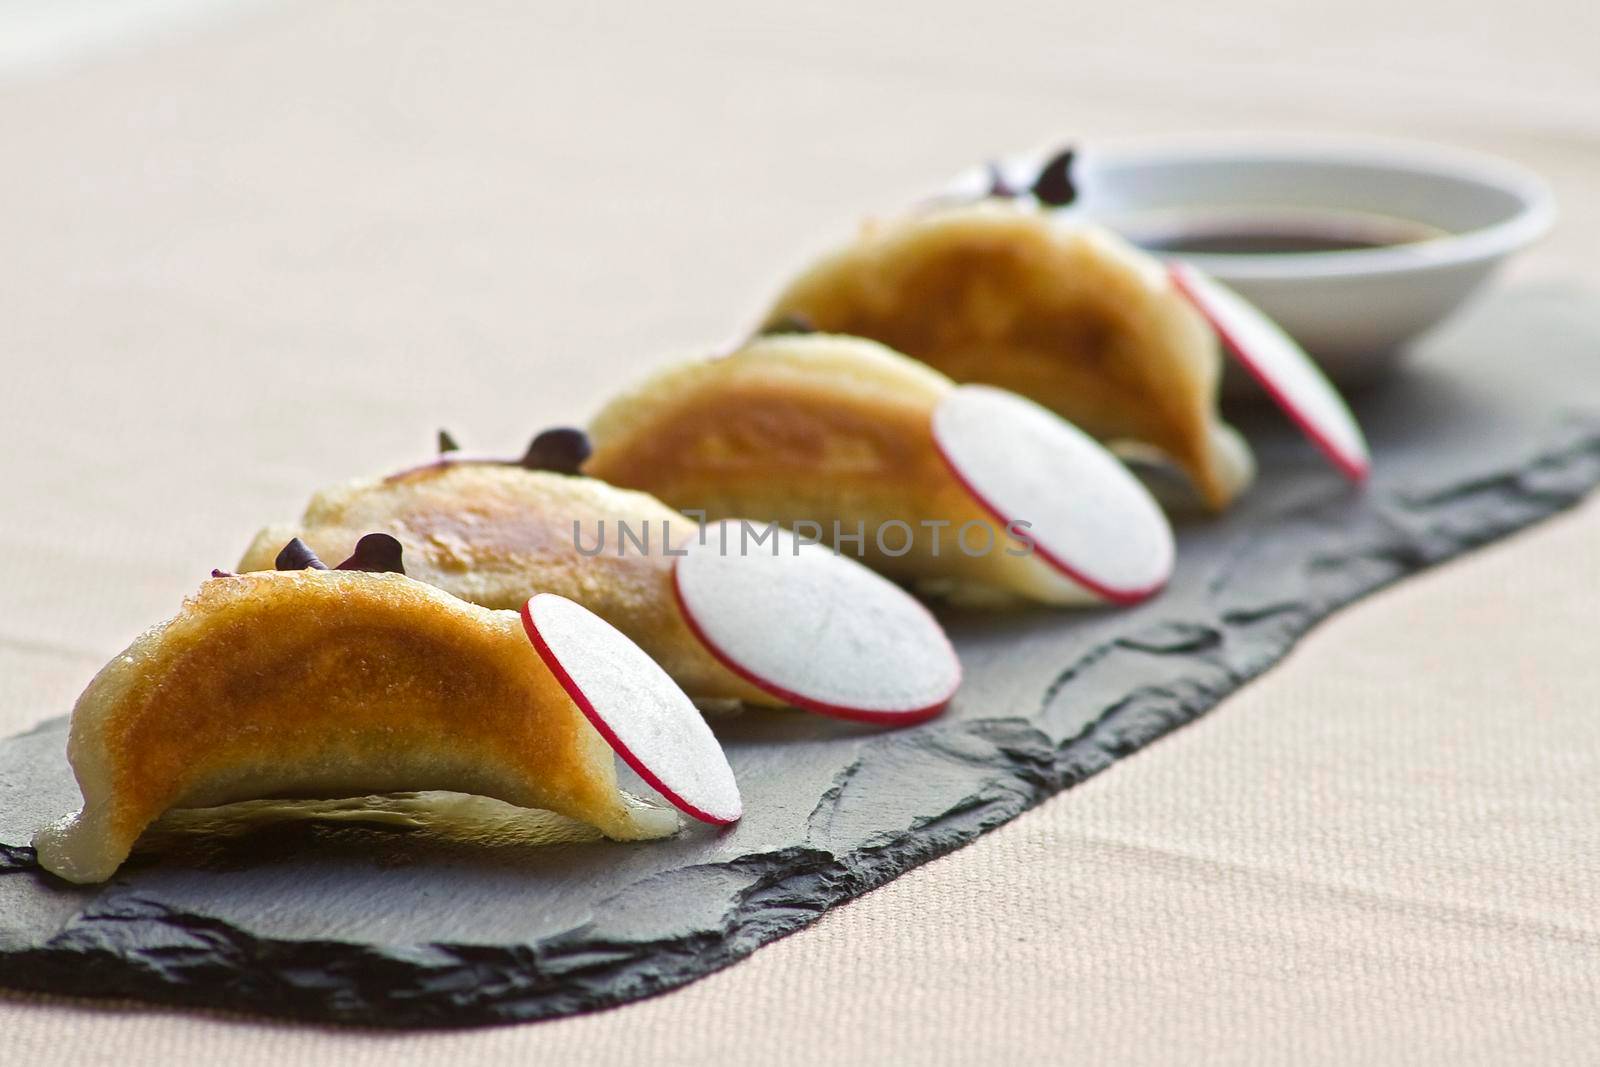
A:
[1274, 359]
[640, 711]
[814, 628]
[1089, 518]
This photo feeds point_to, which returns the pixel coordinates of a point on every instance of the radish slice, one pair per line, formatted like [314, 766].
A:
[1282, 367]
[1089, 518]
[637, 708]
[812, 627]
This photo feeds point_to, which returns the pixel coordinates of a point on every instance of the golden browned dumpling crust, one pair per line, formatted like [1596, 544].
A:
[494, 534]
[1066, 314]
[325, 684]
[811, 428]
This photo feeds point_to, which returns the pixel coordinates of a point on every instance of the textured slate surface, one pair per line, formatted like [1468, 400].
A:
[1496, 425]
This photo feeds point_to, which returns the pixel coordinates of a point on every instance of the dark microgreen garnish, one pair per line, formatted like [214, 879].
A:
[998, 185]
[375, 552]
[794, 322]
[561, 450]
[1053, 186]
[297, 556]
[218, 572]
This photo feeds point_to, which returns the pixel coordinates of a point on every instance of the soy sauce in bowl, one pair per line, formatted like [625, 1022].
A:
[1263, 232]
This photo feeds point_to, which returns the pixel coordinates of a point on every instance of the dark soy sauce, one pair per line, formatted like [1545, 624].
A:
[1255, 244]
[1286, 234]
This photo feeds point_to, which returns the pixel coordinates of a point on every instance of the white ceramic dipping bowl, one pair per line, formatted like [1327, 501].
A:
[1354, 310]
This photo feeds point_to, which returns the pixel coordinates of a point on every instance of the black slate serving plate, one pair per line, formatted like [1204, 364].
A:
[1495, 425]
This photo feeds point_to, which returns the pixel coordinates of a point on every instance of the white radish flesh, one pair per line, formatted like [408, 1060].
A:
[635, 706]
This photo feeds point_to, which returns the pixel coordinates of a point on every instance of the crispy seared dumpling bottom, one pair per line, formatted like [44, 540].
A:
[1067, 315]
[325, 684]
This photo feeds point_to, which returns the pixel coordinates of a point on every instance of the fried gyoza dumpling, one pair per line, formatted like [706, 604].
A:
[495, 532]
[1066, 314]
[958, 489]
[332, 683]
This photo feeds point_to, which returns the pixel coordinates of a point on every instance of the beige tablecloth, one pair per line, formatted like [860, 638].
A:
[243, 262]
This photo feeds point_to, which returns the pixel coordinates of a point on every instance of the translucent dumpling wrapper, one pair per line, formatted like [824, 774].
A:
[787, 625]
[968, 491]
[1062, 312]
[328, 684]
